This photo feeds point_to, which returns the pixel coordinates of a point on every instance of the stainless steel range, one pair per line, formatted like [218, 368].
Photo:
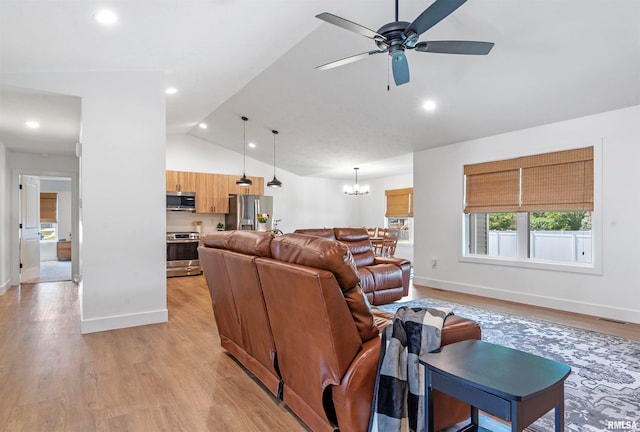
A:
[182, 254]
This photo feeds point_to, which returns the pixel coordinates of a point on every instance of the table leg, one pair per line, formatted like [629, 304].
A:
[559, 417]
[428, 402]
[474, 415]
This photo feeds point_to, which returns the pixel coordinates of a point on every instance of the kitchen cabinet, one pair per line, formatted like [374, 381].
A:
[212, 193]
[257, 188]
[212, 190]
[181, 181]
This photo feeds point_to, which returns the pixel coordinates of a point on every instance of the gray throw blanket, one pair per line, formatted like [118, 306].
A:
[398, 398]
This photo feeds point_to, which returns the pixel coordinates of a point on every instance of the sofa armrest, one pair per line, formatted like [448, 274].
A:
[391, 260]
[405, 266]
[352, 398]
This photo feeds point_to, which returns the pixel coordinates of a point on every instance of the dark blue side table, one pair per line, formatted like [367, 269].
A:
[512, 385]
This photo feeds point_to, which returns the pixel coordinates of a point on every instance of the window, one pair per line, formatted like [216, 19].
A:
[399, 213]
[401, 226]
[531, 209]
[48, 232]
[48, 216]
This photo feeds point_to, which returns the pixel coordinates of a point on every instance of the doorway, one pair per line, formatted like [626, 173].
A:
[53, 198]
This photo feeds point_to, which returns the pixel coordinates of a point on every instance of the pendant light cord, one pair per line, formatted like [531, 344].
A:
[274, 132]
[244, 144]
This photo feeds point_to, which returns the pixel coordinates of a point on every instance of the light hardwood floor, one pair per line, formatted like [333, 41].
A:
[53, 271]
[162, 377]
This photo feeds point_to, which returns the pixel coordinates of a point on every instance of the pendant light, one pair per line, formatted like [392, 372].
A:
[275, 183]
[356, 189]
[244, 181]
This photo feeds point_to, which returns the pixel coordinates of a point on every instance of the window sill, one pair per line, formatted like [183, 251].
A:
[584, 268]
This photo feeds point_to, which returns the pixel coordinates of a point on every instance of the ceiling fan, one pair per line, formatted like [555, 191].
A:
[396, 37]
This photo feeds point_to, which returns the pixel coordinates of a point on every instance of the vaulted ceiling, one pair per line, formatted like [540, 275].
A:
[552, 61]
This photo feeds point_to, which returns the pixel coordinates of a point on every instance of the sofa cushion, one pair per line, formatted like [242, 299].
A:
[255, 243]
[357, 239]
[361, 312]
[335, 257]
[216, 239]
[318, 232]
[317, 252]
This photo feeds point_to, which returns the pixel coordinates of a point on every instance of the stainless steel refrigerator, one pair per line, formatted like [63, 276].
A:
[244, 209]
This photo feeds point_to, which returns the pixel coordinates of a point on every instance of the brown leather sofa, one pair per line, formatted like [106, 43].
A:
[291, 311]
[383, 279]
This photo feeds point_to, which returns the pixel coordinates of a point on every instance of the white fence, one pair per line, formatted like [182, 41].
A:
[573, 246]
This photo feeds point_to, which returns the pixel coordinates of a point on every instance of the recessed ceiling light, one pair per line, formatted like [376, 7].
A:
[202, 125]
[252, 145]
[429, 105]
[171, 90]
[105, 17]
[32, 124]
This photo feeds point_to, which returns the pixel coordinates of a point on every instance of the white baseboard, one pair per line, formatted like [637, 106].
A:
[123, 321]
[604, 311]
[4, 287]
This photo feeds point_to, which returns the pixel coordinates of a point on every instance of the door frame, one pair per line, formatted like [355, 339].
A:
[14, 257]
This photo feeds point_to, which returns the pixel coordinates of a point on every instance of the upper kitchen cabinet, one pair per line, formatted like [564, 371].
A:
[257, 188]
[212, 193]
[181, 181]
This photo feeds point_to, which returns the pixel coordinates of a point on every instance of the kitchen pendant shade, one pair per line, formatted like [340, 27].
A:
[244, 181]
[275, 183]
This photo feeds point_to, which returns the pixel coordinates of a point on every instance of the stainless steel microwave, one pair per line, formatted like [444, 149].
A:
[181, 201]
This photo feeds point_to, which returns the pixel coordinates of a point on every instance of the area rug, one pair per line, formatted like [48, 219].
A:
[603, 391]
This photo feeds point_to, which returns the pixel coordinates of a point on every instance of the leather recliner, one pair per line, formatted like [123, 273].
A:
[291, 308]
[383, 279]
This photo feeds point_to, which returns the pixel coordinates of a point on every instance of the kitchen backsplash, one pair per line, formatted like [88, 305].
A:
[184, 221]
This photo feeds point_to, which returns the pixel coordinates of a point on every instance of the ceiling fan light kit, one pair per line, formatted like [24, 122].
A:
[396, 37]
[244, 181]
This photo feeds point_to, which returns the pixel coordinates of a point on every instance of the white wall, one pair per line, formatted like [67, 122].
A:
[303, 202]
[4, 221]
[438, 176]
[122, 186]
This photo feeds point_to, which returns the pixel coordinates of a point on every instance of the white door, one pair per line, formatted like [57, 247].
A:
[30, 231]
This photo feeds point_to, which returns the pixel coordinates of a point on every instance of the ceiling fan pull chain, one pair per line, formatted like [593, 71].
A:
[388, 61]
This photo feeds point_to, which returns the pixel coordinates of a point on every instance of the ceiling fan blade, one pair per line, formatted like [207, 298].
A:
[350, 25]
[455, 47]
[348, 60]
[432, 15]
[400, 68]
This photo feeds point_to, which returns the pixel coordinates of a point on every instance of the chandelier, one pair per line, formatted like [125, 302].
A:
[356, 189]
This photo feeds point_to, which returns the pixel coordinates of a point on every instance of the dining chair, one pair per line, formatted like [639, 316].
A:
[389, 242]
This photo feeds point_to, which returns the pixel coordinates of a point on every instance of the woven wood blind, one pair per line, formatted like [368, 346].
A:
[48, 207]
[399, 202]
[492, 186]
[560, 181]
